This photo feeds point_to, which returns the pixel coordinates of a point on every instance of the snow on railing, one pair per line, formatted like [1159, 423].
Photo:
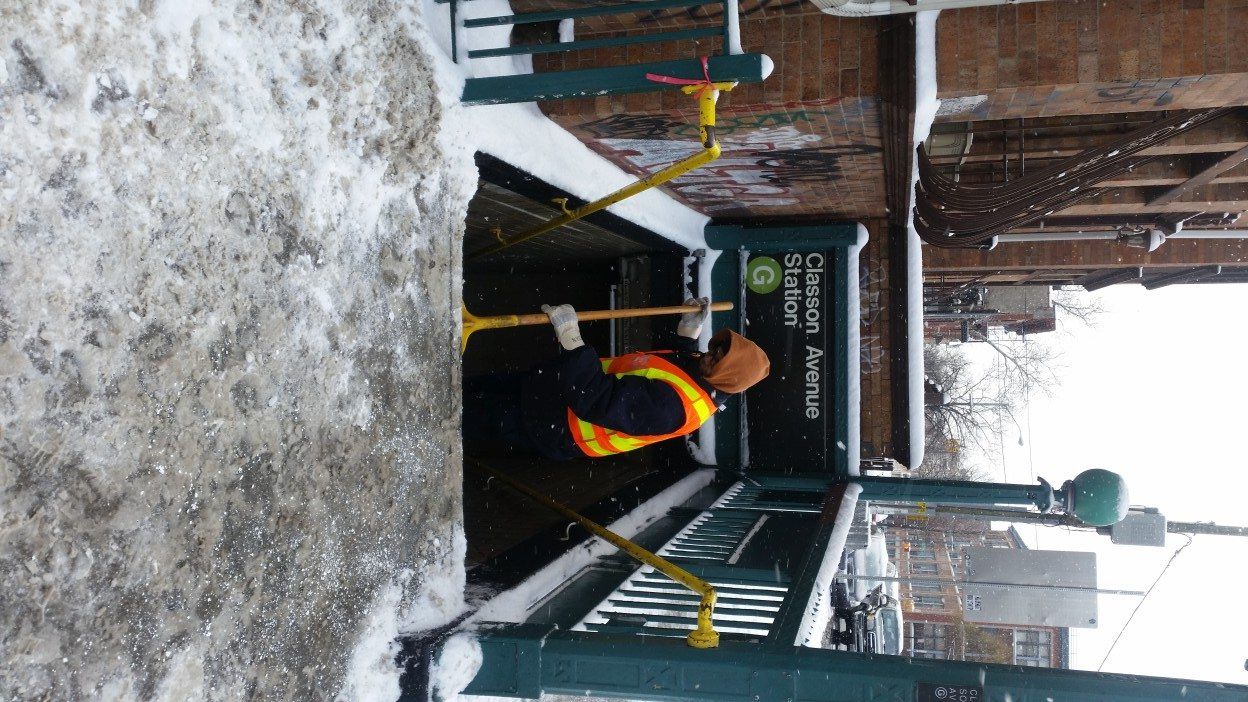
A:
[873, 8]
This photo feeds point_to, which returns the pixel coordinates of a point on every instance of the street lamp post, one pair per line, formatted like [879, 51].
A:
[1096, 497]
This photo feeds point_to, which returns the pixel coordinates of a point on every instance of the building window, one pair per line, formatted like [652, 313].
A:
[926, 640]
[1033, 647]
[929, 602]
[927, 587]
[921, 548]
[917, 568]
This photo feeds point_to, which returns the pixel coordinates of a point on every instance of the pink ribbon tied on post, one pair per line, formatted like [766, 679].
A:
[705, 81]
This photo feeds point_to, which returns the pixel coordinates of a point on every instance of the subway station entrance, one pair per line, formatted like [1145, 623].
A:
[600, 262]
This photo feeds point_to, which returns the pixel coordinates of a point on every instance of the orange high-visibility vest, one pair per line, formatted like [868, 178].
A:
[597, 442]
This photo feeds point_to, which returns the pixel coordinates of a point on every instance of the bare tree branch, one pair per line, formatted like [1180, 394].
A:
[969, 406]
[1078, 304]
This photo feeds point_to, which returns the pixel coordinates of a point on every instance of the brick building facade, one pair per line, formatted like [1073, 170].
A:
[1083, 57]
[934, 623]
[875, 342]
[805, 142]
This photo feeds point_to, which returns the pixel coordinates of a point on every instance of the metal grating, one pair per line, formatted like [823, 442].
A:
[651, 603]
[758, 498]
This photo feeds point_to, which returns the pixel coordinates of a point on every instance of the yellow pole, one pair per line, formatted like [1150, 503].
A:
[473, 323]
[707, 95]
[704, 636]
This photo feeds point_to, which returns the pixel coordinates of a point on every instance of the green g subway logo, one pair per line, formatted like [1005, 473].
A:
[762, 275]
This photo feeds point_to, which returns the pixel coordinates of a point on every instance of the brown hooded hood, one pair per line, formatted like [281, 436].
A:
[743, 365]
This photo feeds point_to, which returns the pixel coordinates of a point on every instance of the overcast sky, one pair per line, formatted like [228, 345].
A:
[1156, 391]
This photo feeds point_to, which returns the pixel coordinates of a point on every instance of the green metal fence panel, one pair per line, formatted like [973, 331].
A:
[646, 668]
[711, 546]
[614, 80]
[749, 546]
[629, 40]
[607, 80]
[633, 647]
[793, 611]
[580, 12]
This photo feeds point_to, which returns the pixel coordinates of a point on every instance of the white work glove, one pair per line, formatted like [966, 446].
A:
[690, 325]
[567, 330]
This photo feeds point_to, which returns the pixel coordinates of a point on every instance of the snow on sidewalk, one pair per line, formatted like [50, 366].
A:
[229, 291]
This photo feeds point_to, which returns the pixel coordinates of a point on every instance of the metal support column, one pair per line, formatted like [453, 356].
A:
[956, 492]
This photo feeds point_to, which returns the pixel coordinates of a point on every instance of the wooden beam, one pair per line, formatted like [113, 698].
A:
[1116, 208]
[1202, 178]
[1188, 275]
[1039, 272]
[1110, 276]
[1161, 182]
[1161, 150]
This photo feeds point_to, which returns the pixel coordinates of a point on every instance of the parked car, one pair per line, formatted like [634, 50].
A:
[868, 616]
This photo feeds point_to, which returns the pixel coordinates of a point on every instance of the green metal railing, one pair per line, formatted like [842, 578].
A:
[540, 659]
[703, 635]
[629, 646]
[727, 27]
[733, 66]
[721, 545]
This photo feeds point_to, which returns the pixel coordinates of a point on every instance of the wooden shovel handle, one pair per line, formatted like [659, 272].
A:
[594, 315]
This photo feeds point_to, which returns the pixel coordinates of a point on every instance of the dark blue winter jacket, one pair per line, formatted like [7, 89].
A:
[631, 404]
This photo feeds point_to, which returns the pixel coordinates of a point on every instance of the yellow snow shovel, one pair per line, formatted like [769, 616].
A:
[473, 323]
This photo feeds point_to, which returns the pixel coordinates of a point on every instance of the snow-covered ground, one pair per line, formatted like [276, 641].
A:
[229, 235]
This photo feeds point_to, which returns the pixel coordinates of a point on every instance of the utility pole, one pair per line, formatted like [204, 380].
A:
[1065, 520]
[1205, 528]
[1017, 586]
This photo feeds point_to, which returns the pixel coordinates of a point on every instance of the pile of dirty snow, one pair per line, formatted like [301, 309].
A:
[229, 289]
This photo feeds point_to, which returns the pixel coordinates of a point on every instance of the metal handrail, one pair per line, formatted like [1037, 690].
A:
[707, 95]
[704, 636]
